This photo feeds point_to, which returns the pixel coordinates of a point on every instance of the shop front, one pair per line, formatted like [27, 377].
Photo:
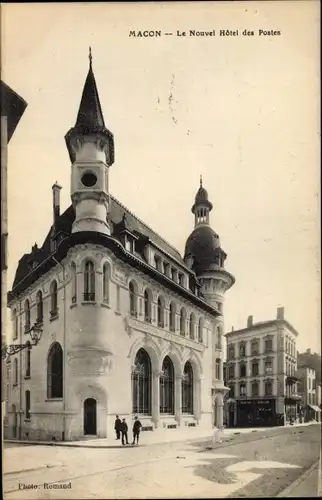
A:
[256, 413]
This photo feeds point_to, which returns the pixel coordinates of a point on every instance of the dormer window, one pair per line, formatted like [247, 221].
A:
[130, 245]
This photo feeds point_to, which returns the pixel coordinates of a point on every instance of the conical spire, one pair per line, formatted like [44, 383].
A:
[90, 115]
[90, 120]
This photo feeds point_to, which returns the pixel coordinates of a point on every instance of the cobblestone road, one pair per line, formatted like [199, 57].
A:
[248, 466]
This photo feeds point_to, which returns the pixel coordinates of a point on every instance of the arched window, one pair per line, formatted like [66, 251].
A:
[218, 366]
[141, 384]
[161, 312]
[133, 298]
[15, 371]
[74, 282]
[27, 403]
[172, 317]
[167, 387]
[40, 307]
[89, 282]
[27, 315]
[28, 362]
[148, 305]
[53, 299]
[200, 330]
[55, 372]
[106, 283]
[182, 321]
[187, 389]
[255, 389]
[231, 351]
[192, 321]
[15, 323]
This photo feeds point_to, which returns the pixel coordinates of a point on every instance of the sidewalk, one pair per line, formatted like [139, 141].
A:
[157, 437]
[307, 485]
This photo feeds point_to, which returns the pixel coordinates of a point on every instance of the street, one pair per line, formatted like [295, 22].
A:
[259, 464]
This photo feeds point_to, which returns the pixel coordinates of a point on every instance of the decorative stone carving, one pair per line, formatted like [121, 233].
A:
[53, 336]
[127, 325]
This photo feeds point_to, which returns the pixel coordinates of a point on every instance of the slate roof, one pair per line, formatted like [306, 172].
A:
[64, 226]
[13, 106]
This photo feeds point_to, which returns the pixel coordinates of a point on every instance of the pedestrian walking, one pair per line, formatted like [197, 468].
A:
[136, 430]
[124, 430]
[117, 427]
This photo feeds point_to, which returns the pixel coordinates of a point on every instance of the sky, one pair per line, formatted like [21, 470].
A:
[243, 111]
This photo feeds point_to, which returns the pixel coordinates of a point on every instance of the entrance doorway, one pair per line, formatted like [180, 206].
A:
[90, 426]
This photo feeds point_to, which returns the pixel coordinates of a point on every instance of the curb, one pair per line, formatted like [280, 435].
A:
[299, 480]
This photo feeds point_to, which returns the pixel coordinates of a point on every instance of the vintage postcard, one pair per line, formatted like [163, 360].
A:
[160, 249]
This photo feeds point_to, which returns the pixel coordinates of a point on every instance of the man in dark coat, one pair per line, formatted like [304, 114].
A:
[117, 427]
[124, 431]
[136, 430]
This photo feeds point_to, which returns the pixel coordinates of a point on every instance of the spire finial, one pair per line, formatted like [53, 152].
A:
[200, 180]
[90, 57]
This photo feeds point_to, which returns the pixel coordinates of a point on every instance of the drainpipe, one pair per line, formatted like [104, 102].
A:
[64, 358]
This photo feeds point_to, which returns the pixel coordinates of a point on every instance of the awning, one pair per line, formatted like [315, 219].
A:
[315, 408]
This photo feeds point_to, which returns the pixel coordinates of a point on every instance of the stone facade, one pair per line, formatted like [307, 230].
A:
[128, 326]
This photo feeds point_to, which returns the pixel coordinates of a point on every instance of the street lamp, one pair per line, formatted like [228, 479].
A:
[35, 333]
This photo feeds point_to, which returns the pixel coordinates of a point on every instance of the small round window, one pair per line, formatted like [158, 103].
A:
[89, 179]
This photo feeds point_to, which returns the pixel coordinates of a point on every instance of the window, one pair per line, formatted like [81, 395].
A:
[89, 282]
[187, 389]
[15, 371]
[231, 372]
[27, 315]
[118, 305]
[218, 366]
[173, 274]
[28, 362]
[15, 324]
[200, 330]
[242, 389]
[231, 351]
[167, 387]
[40, 311]
[27, 402]
[254, 368]
[218, 338]
[268, 345]
[231, 391]
[53, 299]
[133, 298]
[106, 283]
[172, 317]
[141, 384]
[74, 282]
[255, 389]
[181, 279]
[55, 372]
[148, 305]
[182, 321]
[268, 366]
[242, 349]
[254, 347]
[192, 326]
[268, 388]
[160, 312]
[242, 370]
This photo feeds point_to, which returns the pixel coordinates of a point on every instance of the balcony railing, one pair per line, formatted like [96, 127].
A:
[147, 318]
[89, 297]
[134, 314]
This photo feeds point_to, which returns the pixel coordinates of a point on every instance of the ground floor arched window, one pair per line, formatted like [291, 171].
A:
[141, 383]
[187, 389]
[167, 387]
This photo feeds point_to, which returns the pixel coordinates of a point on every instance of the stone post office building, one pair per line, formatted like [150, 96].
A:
[129, 326]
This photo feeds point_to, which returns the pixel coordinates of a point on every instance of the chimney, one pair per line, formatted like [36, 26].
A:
[249, 321]
[232, 328]
[280, 313]
[56, 201]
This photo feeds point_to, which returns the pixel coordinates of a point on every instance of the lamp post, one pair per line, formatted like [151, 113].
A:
[35, 333]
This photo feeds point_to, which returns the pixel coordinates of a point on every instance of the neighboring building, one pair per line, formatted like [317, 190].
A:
[12, 109]
[310, 393]
[261, 373]
[129, 326]
[312, 360]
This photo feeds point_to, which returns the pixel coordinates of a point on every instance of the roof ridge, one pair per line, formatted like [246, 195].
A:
[146, 225]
